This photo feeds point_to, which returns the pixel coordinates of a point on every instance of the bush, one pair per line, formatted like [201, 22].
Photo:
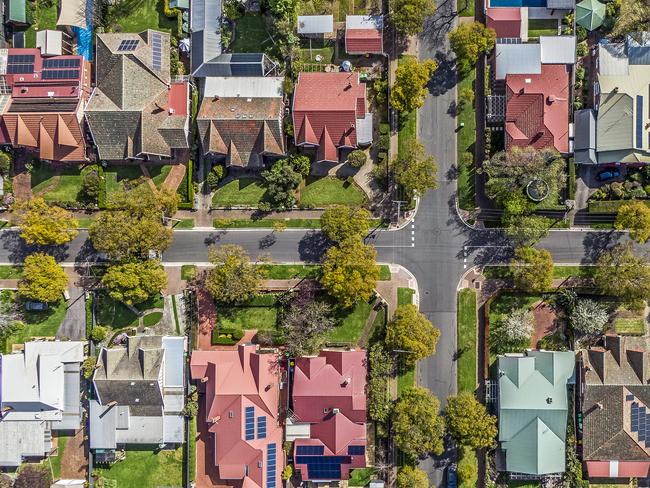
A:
[215, 176]
[88, 367]
[5, 163]
[90, 186]
[468, 468]
[357, 158]
[582, 49]
[98, 334]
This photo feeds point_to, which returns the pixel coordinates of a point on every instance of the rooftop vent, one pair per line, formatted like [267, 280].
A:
[528, 81]
[550, 99]
[137, 400]
[249, 99]
[335, 411]
[171, 111]
[549, 400]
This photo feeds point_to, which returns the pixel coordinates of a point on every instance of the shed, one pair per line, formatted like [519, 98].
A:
[585, 137]
[364, 34]
[17, 13]
[315, 24]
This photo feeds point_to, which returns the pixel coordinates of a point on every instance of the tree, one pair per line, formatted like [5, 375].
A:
[142, 202]
[515, 329]
[341, 223]
[357, 158]
[634, 17]
[469, 422]
[527, 230]
[532, 269]
[623, 274]
[5, 163]
[350, 272]
[304, 326]
[415, 170]
[465, 96]
[468, 41]
[98, 334]
[468, 468]
[135, 282]
[44, 280]
[418, 428]
[233, 278]
[408, 16]
[381, 366]
[283, 9]
[588, 317]
[411, 79]
[634, 216]
[282, 180]
[43, 225]
[90, 183]
[411, 477]
[411, 331]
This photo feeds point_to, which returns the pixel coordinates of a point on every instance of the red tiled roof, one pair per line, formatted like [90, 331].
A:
[362, 41]
[505, 21]
[537, 110]
[626, 469]
[332, 100]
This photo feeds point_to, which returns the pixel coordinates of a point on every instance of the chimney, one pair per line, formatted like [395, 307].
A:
[614, 344]
[597, 360]
[171, 111]
[346, 381]
[335, 411]
[268, 387]
[549, 400]
[636, 360]
[550, 99]
[204, 379]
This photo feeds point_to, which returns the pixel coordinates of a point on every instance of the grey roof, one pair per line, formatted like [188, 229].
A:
[518, 59]
[205, 23]
[315, 24]
[21, 439]
[558, 49]
[585, 136]
[561, 4]
[614, 130]
[364, 130]
[174, 354]
[638, 47]
[612, 59]
[237, 64]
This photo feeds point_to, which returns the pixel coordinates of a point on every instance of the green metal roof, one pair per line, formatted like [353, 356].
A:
[533, 410]
[590, 14]
[17, 11]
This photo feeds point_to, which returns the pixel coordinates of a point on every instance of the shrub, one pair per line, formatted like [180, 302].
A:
[468, 468]
[88, 367]
[5, 163]
[357, 158]
[582, 49]
[287, 472]
[90, 185]
[98, 334]
[215, 176]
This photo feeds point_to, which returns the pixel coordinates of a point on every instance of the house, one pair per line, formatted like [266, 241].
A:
[616, 408]
[138, 395]
[328, 418]
[137, 111]
[39, 394]
[533, 408]
[330, 114]
[240, 120]
[315, 25]
[42, 103]
[620, 108]
[238, 416]
[364, 34]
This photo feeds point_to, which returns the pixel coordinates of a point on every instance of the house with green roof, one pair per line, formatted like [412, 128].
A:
[533, 408]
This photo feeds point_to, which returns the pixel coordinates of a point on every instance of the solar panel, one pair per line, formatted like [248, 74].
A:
[250, 423]
[60, 74]
[20, 58]
[156, 51]
[310, 450]
[639, 121]
[356, 450]
[629, 398]
[61, 63]
[15, 69]
[270, 465]
[261, 427]
[128, 45]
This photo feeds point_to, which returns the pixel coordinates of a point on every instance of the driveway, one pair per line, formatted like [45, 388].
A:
[74, 324]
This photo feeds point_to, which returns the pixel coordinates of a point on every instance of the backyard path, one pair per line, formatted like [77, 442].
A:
[74, 460]
[22, 185]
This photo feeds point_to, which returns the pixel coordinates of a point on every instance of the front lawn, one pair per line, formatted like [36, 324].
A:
[37, 324]
[351, 323]
[113, 314]
[139, 15]
[262, 316]
[242, 191]
[184, 224]
[222, 223]
[466, 321]
[542, 27]
[146, 469]
[251, 35]
[117, 178]
[405, 296]
[329, 190]
[158, 174]
[500, 308]
[58, 185]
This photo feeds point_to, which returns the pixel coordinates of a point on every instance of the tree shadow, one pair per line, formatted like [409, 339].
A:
[595, 243]
[312, 246]
[445, 77]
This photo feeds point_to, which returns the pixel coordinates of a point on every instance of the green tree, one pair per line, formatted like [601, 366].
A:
[418, 428]
[357, 158]
[634, 216]
[408, 16]
[634, 18]
[350, 272]
[415, 170]
[88, 367]
[623, 274]
[283, 9]
[341, 223]
[282, 180]
[532, 269]
[90, 184]
[412, 477]
[469, 422]
[527, 230]
[411, 331]
[135, 282]
[381, 366]
[468, 41]
[43, 225]
[410, 88]
[5, 163]
[234, 278]
[44, 280]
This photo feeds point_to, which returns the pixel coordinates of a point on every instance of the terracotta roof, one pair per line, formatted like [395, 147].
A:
[624, 469]
[506, 21]
[537, 110]
[362, 41]
[332, 100]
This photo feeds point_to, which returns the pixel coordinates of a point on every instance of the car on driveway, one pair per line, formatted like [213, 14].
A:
[608, 174]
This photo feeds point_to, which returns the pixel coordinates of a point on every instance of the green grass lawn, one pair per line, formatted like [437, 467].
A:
[466, 363]
[62, 185]
[405, 379]
[405, 296]
[629, 326]
[188, 271]
[351, 324]
[242, 191]
[146, 469]
[113, 314]
[116, 177]
[259, 313]
[55, 461]
[44, 18]
[467, 115]
[542, 27]
[151, 319]
[10, 272]
[158, 174]
[523, 484]
[407, 132]
[466, 8]
[191, 456]
[84, 222]
[38, 324]
[156, 301]
[250, 34]
[265, 223]
[361, 476]
[319, 47]
[184, 224]
[139, 15]
[559, 272]
[465, 182]
[329, 190]
[291, 271]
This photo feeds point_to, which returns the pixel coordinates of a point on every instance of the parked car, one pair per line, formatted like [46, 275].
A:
[452, 477]
[608, 174]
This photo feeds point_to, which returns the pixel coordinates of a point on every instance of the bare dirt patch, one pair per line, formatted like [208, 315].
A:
[545, 322]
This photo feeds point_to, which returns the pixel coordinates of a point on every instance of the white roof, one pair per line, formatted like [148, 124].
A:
[558, 49]
[68, 484]
[364, 129]
[50, 42]
[174, 360]
[18, 439]
[315, 24]
[248, 87]
[173, 429]
[523, 59]
[374, 22]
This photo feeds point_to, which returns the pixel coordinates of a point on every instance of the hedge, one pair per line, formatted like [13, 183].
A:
[186, 189]
[226, 336]
[609, 206]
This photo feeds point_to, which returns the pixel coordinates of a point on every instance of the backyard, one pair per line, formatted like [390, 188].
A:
[542, 27]
[251, 35]
[44, 17]
[146, 469]
[338, 8]
[311, 49]
[139, 15]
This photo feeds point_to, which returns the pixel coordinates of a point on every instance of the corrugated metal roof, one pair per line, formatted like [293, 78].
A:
[585, 136]
[558, 49]
[174, 361]
[205, 22]
[518, 59]
[244, 86]
[612, 59]
[615, 127]
[315, 24]
[374, 22]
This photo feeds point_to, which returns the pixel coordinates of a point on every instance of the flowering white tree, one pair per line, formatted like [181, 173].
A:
[518, 326]
[588, 317]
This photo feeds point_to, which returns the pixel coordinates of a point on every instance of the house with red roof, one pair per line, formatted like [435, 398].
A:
[364, 34]
[330, 114]
[42, 101]
[241, 438]
[327, 421]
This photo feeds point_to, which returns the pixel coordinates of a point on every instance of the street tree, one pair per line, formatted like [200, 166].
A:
[634, 216]
[44, 225]
[588, 318]
[234, 278]
[43, 279]
[350, 272]
[416, 170]
[135, 281]
[621, 273]
[418, 429]
[469, 422]
[532, 269]
[527, 230]
[411, 331]
[411, 80]
[468, 41]
[341, 223]
[408, 16]
[412, 477]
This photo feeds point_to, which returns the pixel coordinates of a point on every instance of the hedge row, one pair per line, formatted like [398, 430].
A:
[609, 206]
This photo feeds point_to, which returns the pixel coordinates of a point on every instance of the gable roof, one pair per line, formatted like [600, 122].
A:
[506, 21]
[364, 34]
[315, 24]
[532, 389]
